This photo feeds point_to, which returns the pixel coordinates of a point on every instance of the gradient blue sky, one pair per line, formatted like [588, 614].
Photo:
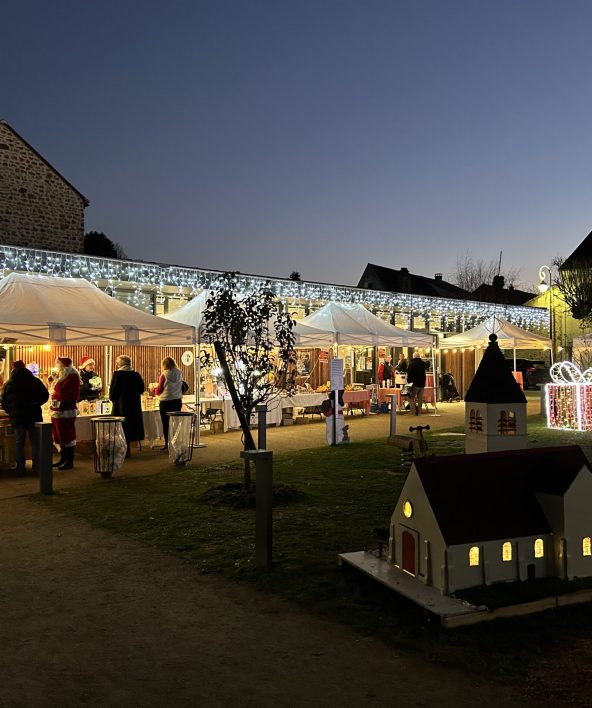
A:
[271, 136]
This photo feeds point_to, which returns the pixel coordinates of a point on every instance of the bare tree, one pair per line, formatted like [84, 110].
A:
[575, 285]
[469, 273]
[254, 344]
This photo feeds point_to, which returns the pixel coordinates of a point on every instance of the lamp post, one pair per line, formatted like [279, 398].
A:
[544, 273]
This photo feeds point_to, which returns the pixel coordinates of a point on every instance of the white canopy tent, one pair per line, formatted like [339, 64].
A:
[354, 325]
[509, 336]
[39, 309]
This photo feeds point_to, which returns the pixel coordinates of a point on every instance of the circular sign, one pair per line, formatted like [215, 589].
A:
[187, 358]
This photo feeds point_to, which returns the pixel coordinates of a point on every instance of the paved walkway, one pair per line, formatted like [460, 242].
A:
[94, 619]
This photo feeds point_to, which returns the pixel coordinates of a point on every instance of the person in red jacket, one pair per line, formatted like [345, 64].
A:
[65, 394]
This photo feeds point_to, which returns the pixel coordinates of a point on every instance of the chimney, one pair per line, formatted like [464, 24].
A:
[404, 281]
[438, 277]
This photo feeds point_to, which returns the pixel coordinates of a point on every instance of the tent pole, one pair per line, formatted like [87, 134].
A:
[197, 385]
[435, 375]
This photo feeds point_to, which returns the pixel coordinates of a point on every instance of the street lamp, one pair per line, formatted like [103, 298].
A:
[544, 273]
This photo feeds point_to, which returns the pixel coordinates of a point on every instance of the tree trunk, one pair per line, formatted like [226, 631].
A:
[249, 442]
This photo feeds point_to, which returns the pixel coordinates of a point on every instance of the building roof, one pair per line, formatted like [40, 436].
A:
[40, 156]
[493, 496]
[376, 277]
[493, 381]
[503, 296]
[581, 256]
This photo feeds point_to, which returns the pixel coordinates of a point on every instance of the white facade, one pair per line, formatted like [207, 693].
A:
[417, 545]
[492, 427]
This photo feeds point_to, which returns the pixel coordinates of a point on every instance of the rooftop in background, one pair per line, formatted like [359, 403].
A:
[497, 293]
[582, 255]
[377, 277]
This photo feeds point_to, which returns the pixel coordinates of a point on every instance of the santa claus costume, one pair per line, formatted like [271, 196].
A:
[64, 397]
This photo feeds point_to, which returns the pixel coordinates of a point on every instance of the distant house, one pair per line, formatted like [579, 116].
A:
[39, 208]
[582, 256]
[497, 293]
[468, 520]
[377, 277]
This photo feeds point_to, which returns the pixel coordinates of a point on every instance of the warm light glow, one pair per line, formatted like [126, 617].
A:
[474, 555]
[539, 548]
[30, 349]
[407, 509]
[507, 551]
[454, 351]
[446, 351]
[47, 347]
[586, 546]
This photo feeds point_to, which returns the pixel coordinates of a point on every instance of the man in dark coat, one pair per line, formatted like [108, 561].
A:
[416, 376]
[125, 392]
[22, 398]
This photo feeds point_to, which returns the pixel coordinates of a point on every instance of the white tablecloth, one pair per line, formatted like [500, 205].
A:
[303, 400]
[152, 426]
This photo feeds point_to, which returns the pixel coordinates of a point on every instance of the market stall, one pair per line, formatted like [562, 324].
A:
[54, 313]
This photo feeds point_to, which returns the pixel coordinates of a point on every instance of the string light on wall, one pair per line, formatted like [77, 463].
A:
[137, 283]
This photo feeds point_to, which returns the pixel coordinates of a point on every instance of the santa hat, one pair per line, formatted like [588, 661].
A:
[66, 361]
[86, 360]
[18, 364]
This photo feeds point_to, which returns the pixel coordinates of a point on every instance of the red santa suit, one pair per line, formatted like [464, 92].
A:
[65, 394]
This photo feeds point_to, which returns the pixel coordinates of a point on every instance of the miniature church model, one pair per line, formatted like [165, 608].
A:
[495, 406]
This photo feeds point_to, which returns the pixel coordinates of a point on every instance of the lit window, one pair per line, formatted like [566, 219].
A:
[407, 509]
[507, 551]
[507, 423]
[586, 546]
[474, 555]
[539, 548]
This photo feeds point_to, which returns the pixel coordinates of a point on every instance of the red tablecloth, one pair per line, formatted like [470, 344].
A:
[361, 397]
[519, 378]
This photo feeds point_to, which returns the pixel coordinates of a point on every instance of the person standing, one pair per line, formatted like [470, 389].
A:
[22, 398]
[170, 394]
[401, 366]
[91, 386]
[416, 376]
[125, 392]
[64, 396]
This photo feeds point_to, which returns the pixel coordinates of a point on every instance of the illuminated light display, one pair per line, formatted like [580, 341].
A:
[143, 285]
[569, 397]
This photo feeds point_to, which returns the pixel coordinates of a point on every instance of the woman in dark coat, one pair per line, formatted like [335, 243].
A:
[125, 393]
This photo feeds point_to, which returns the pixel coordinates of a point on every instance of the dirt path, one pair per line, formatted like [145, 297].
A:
[93, 619]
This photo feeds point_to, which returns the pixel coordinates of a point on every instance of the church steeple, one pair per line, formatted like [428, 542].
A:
[495, 406]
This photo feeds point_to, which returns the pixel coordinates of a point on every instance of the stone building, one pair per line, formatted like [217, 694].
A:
[39, 208]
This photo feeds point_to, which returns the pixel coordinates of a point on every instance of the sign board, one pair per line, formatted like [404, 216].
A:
[336, 369]
[187, 357]
[324, 356]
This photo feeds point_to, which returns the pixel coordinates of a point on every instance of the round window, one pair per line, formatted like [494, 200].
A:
[407, 509]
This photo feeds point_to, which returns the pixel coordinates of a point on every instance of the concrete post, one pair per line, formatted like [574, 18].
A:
[263, 460]
[44, 457]
[261, 426]
[393, 430]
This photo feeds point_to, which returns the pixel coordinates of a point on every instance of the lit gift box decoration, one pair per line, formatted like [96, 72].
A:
[569, 397]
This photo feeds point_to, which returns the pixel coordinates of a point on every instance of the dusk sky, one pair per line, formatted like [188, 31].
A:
[314, 136]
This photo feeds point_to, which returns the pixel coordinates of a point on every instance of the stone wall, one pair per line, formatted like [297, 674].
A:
[38, 208]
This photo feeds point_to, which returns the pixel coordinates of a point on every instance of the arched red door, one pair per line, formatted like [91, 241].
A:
[408, 552]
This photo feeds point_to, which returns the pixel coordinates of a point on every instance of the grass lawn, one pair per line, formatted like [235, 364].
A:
[348, 495]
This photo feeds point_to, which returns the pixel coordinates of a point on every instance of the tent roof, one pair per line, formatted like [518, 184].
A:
[74, 311]
[192, 312]
[509, 336]
[353, 324]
